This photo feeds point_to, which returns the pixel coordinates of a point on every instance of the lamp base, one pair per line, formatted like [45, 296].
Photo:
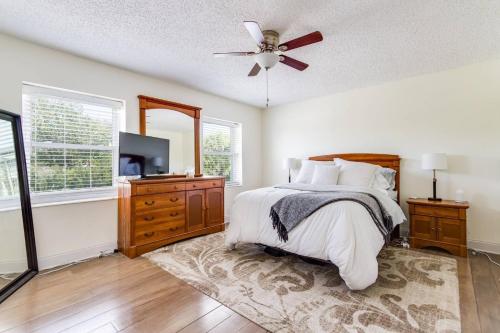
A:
[434, 199]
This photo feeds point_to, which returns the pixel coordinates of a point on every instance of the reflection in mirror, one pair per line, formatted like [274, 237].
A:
[179, 129]
[13, 258]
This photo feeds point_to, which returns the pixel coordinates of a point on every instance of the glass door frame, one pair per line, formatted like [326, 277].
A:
[24, 194]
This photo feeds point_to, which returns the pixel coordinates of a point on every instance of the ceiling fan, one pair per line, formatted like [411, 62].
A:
[271, 51]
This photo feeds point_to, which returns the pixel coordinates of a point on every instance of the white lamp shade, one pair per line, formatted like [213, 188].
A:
[267, 59]
[434, 161]
[289, 163]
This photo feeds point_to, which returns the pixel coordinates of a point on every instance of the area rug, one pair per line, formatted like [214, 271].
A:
[415, 291]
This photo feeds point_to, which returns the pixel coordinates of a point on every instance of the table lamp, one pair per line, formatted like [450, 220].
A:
[434, 161]
[289, 163]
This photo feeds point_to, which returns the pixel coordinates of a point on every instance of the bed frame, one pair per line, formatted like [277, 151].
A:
[384, 160]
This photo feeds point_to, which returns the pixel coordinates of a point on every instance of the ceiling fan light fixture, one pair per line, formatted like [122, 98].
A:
[267, 59]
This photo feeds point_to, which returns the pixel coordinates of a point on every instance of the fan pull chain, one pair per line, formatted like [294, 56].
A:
[267, 88]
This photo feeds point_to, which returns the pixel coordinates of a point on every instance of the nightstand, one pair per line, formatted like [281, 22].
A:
[440, 224]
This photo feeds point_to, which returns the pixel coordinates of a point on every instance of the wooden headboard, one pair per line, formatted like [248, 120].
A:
[384, 160]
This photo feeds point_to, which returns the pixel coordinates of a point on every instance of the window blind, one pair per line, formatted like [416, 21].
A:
[222, 150]
[71, 142]
[9, 186]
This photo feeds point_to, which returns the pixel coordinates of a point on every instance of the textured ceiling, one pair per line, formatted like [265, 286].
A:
[366, 42]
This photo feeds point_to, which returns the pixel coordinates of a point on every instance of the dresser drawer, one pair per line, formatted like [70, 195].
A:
[160, 216]
[437, 211]
[159, 188]
[159, 231]
[153, 202]
[203, 184]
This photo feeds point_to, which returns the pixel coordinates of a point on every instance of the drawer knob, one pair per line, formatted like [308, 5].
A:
[175, 187]
[194, 185]
[174, 199]
[149, 218]
[149, 234]
[214, 184]
[174, 229]
[174, 214]
[149, 203]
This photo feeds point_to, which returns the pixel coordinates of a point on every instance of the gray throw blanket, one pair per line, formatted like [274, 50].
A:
[289, 211]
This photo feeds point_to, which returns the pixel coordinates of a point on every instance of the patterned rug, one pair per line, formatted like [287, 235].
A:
[415, 291]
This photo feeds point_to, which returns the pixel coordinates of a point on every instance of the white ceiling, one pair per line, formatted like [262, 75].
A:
[365, 42]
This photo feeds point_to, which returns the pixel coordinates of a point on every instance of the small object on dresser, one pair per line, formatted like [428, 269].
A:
[459, 196]
[441, 224]
[190, 172]
[434, 161]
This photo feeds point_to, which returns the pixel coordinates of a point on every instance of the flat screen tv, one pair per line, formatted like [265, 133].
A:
[143, 155]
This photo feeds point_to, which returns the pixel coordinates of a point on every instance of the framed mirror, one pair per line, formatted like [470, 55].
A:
[18, 262]
[178, 123]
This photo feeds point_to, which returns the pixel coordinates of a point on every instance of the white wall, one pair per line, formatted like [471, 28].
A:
[456, 112]
[177, 148]
[12, 245]
[70, 231]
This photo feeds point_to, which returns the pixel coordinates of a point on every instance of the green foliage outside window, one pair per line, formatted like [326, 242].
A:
[216, 156]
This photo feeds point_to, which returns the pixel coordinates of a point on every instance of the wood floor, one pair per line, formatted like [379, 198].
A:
[116, 294]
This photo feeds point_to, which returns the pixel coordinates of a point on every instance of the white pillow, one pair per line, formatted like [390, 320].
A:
[325, 174]
[379, 182]
[307, 171]
[355, 173]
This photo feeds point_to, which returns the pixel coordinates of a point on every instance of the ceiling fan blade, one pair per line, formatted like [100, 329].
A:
[233, 54]
[311, 38]
[299, 65]
[255, 70]
[254, 30]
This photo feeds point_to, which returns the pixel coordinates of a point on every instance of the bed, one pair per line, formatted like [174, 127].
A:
[342, 232]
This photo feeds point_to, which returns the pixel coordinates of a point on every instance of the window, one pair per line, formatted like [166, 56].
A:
[222, 150]
[71, 143]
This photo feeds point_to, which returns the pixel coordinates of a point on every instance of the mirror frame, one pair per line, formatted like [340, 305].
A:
[24, 194]
[146, 103]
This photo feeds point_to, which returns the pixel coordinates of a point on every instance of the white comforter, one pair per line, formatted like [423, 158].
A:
[342, 232]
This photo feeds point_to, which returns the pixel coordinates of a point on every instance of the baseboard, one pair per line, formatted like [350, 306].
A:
[75, 255]
[484, 246]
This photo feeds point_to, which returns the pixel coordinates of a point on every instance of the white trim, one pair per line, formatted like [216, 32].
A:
[72, 202]
[72, 196]
[75, 255]
[59, 203]
[484, 246]
[37, 85]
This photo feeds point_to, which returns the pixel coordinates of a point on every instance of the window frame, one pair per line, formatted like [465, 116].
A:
[234, 155]
[77, 195]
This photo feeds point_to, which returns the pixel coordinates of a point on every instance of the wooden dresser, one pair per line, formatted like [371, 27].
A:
[440, 224]
[156, 212]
